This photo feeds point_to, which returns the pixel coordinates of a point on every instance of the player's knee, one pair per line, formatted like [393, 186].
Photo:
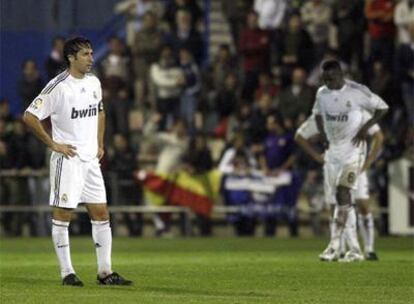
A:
[62, 214]
[363, 207]
[99, 214]
[343, 195]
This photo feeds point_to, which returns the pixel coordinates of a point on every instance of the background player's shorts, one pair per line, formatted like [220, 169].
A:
[73, 181]
[336, 174]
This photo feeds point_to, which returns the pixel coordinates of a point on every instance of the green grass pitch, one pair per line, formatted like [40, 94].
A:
[216, 270]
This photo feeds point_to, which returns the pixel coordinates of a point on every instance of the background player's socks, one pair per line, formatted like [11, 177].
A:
[351, 231]
[332, 228]
[102, 237]
[60, 236]
[366, 226]
[342, 243]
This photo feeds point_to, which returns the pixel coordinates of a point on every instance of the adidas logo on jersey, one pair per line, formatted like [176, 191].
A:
[91, 111]
[339, 118]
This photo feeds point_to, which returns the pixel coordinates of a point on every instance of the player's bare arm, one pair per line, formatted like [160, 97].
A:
[35, 125]
[376, 144]
[309, 149]
[362, 133]
[321, 129]
[101, 133]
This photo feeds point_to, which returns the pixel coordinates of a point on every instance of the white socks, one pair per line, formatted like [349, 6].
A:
[351, 231]
[102, 237]
[367, 230]
[60, 236]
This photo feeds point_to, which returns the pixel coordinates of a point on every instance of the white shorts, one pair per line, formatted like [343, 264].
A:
[73, 181]
[362, 190]
[347, 175]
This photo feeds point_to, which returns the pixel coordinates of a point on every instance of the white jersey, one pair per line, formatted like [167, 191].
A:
[73, 105]
[342, 113]
[309, 128]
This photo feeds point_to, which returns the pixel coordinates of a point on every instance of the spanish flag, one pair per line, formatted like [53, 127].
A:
[198, 192]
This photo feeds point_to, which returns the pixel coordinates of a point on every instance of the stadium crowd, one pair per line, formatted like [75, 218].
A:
[170, 106]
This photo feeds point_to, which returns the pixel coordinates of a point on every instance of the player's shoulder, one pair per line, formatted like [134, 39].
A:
[323, 90]
[359, 88]
[54, 83]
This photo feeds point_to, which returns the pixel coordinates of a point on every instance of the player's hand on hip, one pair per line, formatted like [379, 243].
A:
[66, 150]
[101, 153]
[360, 137]
[320, 158]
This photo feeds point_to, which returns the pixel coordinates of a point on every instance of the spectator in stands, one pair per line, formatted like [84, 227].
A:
[55, 63]
[381, 30]
[190, 6]
[238, 145]
[403, 17]
[265, 108]
[145, 49]
[199, 161]
[5, 112]
[172, 147]
[185, 36]
[295, 48]
[117, 111]
[37, 183]
[135, 11]
[122, 163]
[381, 83]
[226, 102]
[16, 185]
[116, 65]
[236, 12]
[271, 13]
[240, 122]
[316, 16]
[405, 71]
[279, 156]
[30, 83]
[295, 102]
[348, 17]
[223, 64]
[254, 48]
[266, 86]
[167, 80]
[191, 89]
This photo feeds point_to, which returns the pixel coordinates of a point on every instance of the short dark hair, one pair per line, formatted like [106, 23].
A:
[331, 64]
[73, 46]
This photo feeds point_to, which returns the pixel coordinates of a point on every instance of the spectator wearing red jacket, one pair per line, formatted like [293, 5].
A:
[254, 47]
[381, 29]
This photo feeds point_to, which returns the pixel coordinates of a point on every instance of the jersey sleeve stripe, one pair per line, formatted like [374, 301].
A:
[53, 85]
[53, 81]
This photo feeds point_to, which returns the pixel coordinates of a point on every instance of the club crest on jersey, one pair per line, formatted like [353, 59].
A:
[348, 104]
[91, 111]
[64, 198]
[83, 90]
[95, 95]
[37, 104]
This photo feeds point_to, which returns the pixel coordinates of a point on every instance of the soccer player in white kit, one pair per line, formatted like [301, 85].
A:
[305, 132]
[338, 111]
[73, 101]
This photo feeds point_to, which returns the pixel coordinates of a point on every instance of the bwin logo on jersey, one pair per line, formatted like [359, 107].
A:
[338, 118]
[91, 111]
